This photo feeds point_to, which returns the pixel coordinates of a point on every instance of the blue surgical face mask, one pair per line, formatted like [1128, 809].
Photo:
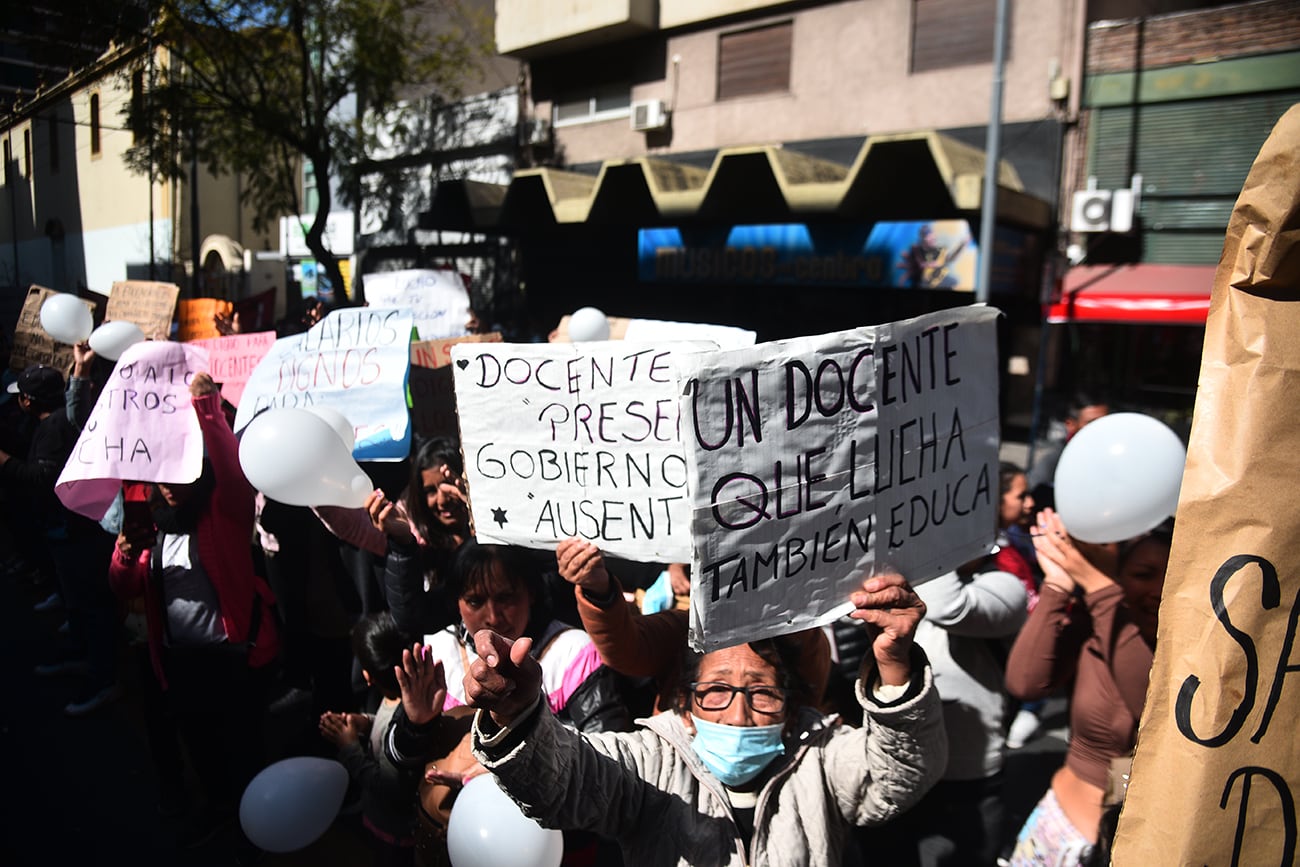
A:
[736, 754]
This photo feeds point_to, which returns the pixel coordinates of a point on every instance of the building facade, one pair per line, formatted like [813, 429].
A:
[74, 216]
[1174, 108]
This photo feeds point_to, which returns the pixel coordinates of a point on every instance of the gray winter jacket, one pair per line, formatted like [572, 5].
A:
[648, 790]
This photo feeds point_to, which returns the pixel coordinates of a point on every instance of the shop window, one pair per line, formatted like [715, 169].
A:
[8, 158]
[948, 33]
[27, 152]
[755, 61]
[601, 103]
[95, 142]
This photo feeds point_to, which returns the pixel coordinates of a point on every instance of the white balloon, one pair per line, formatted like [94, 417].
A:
[486, 829]
[298, 458]
[113, 338]
[1119, 477]
[291, 803]
[588, 323]
[338, 421]
[65, 318]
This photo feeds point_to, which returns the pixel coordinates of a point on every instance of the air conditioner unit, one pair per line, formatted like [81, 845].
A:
[1121, 210]
[1091, 211]
[649, 114]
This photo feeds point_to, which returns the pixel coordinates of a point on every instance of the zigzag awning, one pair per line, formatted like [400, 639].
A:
[924, 175]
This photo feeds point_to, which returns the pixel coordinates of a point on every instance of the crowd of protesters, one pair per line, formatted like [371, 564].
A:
[880, 739]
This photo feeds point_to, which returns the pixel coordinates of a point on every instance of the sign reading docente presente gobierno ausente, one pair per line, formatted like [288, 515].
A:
[567, 439]
[816, 461]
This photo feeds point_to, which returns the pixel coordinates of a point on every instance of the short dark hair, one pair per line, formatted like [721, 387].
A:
[377, 644]
[781, 652]
[475, 561]
[1081, 400]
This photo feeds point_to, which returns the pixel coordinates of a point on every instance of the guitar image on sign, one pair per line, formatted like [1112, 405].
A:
[926, 264]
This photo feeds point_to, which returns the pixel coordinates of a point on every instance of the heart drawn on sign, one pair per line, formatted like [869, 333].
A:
[462, 363]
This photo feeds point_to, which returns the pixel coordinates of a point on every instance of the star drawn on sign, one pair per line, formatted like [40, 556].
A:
[499, 515]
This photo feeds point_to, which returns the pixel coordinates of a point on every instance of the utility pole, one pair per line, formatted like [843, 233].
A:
[992, 156]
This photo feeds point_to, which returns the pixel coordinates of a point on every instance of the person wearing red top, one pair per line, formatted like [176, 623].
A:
[212, 633]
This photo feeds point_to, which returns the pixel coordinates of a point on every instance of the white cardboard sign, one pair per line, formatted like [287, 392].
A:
[566, 439]
[355, 360]
[437, 299]
[817, 461]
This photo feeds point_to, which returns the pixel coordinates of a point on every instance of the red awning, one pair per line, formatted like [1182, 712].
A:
[1172, 294]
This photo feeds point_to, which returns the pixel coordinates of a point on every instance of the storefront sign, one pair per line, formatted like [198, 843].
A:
[937, 254]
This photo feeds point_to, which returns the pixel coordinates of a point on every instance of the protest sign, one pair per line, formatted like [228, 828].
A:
[142, 428]
[233, 359]
[1217, 767]
[437, 299]
[816, 461]
[433, 394]
[437, 353]
[31, 344]
[568, 440]
[196, 318]
[148, 304]
[355, 360]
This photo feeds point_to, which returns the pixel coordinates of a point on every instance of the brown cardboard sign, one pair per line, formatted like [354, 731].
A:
[433, 397]
[148, 304]
[31, 344]
[1217, 767]
[437, 353]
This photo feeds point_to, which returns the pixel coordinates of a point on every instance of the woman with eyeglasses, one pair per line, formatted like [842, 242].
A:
[742, 772]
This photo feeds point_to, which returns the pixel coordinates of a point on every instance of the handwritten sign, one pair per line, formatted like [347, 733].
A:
[142, 428]
[433, 393]
[31, 344]
[437, 353]
[234, 358]
[574, 440]
[1217, 768]
[148, 304]
[817, 460]
[355, 360]
[195, 319]
[437, 299]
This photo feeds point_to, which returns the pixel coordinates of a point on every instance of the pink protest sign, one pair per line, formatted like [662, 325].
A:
[231, 360]
[142, 428]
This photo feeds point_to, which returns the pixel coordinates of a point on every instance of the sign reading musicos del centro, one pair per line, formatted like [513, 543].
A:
[916, 254]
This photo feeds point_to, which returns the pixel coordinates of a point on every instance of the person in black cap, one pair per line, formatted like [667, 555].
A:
[78, 546]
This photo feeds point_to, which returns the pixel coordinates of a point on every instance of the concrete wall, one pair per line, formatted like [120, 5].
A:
[850, 75]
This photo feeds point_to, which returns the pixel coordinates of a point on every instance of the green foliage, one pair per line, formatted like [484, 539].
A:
[260, 88]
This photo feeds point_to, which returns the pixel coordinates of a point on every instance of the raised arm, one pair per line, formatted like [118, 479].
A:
[628, 642]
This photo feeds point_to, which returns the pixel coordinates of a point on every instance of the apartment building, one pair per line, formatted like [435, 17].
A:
[1174, 108]
[73, 215]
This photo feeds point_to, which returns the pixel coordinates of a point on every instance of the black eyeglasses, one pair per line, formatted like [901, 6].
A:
[718, 696]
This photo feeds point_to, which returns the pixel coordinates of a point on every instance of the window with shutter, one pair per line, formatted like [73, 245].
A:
[947, 33]
[755, 61]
